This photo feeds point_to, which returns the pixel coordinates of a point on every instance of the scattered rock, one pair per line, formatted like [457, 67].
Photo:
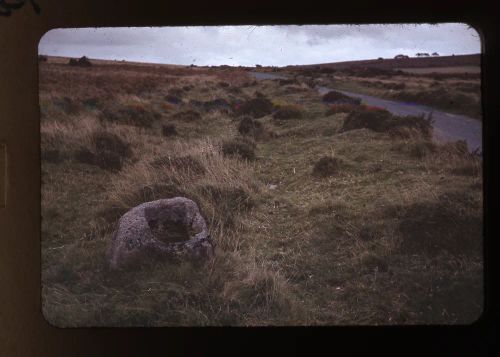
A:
[164, 229]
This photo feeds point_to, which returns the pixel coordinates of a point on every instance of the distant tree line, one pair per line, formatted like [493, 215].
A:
[419, 54]
[426, 54]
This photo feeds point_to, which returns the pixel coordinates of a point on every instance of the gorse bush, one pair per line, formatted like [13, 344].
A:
[381, 120]
[257, 107]
[340, 98]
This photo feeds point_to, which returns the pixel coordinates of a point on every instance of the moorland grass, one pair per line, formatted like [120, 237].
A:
[359, 247]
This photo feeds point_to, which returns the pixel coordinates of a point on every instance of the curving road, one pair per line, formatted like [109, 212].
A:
[447, 127]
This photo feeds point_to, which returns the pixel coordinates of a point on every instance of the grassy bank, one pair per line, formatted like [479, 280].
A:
[458, 93]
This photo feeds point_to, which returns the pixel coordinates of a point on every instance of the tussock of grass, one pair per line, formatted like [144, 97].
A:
[381, 120]
[168, 130]
[251, 127]
[67, 105]
[341, 108]
[188, 163]
[288, 112]
[187, 115]
[339, 98]
[418, 148]
[326, 166]
[53, 156]
[257, 107]
[173, 99]
[108, 151]
[176, 175]
[241, 148]
[136, 115]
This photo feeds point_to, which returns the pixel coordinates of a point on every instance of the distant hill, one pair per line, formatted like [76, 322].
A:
[412, 62]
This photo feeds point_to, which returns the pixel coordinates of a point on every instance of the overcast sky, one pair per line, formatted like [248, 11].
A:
[265, 45]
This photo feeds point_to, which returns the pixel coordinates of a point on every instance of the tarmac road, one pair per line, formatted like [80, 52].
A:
[447, 127]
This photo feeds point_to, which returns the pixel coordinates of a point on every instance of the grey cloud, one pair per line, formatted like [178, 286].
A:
[266, 45]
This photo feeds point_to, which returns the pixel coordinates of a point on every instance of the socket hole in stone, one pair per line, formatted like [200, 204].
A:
[167, 225]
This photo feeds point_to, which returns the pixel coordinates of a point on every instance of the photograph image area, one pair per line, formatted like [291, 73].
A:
[261, 175]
